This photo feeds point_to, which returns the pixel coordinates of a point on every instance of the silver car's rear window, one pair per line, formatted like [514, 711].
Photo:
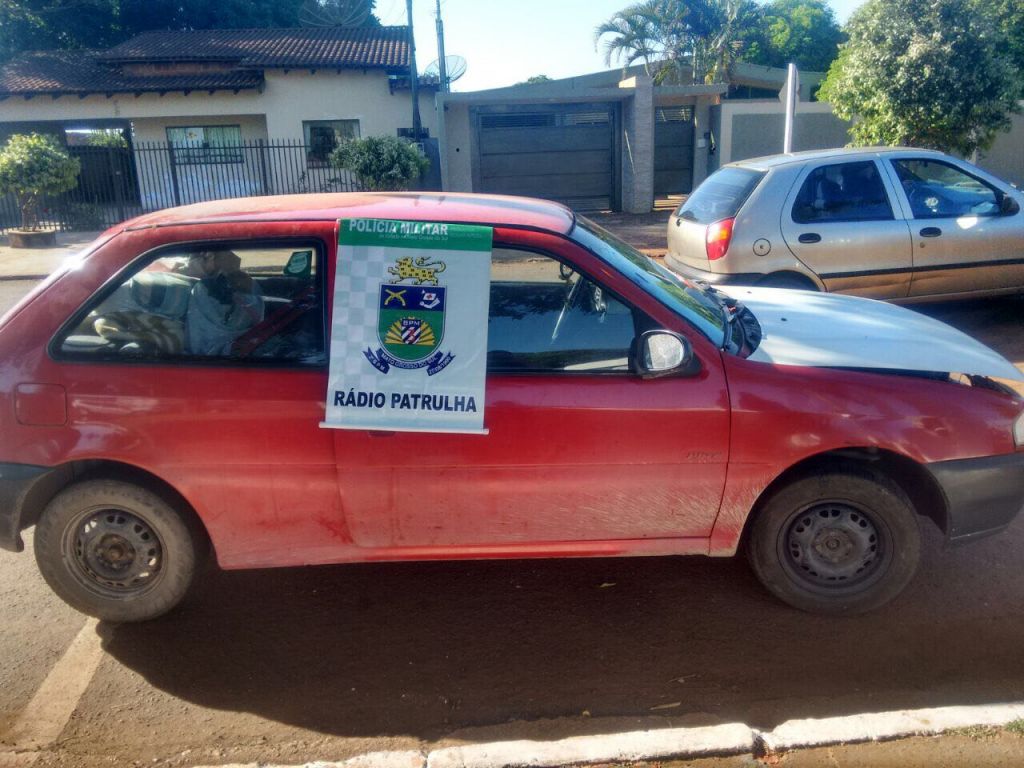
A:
[720, 196]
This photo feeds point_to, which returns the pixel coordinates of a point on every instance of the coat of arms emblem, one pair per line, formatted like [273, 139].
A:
[410, 318]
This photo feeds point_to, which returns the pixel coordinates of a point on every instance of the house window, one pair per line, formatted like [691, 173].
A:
[323, 136]
[205, 144]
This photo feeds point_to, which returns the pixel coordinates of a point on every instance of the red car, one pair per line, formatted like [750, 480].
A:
[629, 412]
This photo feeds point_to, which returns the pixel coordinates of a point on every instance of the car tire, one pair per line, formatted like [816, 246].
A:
[117, 551]
[840, 542]
[792, 282]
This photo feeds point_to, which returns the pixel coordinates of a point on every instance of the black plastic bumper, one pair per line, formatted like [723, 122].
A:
[983, 495]
[714, 278]
[16, 481]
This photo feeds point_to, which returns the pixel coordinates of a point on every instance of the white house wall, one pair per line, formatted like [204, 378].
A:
[285, 101]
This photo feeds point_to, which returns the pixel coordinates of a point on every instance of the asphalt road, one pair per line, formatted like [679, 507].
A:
[301, 664]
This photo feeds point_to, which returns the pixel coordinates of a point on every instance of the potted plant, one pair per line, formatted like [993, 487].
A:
[381, 163]
[31, 166]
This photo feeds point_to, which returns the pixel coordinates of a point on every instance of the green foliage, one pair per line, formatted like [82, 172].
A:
[1009, 16]
[1016, 727]
[83, 217]
[535, 80]
[680, 41]
[804, 32]
[34, 165]
[381, 162]
[27, 25]
[111, 139]
[924, 75]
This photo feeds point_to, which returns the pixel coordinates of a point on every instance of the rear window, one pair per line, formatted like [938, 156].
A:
[720, 196]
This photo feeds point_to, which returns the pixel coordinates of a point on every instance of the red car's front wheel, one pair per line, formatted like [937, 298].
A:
[836, 542]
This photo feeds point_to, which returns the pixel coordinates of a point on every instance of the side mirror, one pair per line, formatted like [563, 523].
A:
[1008, 206]
[663, 353]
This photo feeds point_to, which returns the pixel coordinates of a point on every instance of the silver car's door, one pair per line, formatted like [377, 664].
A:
[963, 242]
[840, 221]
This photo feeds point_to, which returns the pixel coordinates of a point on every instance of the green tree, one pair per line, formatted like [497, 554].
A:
[680, 41]
[1009, 15]
[381, 162]
[27, 25]
[926, 74]
[535, 80]
[32, 166]
[804, 32]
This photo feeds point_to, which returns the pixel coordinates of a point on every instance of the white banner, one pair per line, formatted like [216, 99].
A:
[409, 330]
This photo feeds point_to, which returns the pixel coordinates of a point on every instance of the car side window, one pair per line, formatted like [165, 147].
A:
[842, 192]
[545, 317]
[221, 302]
[939, 190]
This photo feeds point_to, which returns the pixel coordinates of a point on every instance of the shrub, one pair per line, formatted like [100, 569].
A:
[32, 166]
[381, 162]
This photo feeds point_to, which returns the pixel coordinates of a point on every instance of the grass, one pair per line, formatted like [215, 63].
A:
[1016, 727]
[975, 732]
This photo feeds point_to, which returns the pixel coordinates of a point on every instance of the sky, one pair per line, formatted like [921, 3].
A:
[507, 41]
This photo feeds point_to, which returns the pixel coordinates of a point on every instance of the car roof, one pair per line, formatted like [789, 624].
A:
[846, 153]
[452, 208]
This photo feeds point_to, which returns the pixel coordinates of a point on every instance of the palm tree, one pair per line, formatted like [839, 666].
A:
[635, 34]
[680, 40]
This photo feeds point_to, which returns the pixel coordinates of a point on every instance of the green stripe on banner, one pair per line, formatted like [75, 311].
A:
[415, 234]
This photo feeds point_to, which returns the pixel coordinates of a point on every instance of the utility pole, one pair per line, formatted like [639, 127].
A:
[414, 78]
[441, 63]
[792, 89]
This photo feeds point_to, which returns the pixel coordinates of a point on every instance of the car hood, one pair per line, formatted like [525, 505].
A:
[833, 331]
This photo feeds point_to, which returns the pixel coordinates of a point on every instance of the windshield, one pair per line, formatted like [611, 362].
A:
[700, 308]
[720, 195]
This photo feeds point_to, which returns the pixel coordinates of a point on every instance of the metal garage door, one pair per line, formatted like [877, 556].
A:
[564, 153]
[673, 150]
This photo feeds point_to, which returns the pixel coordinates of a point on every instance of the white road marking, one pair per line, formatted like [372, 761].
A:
[50, 709]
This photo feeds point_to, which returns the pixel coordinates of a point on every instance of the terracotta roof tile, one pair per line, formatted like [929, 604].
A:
[80, 72]
[305, 47]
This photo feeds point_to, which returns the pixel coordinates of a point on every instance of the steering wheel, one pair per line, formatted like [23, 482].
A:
[571, 298]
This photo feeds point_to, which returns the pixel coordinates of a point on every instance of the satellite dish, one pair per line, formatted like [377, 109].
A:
[455, 66]
[334, 13]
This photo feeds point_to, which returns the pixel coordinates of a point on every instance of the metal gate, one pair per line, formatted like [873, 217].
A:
[673, 150]
[566, 153]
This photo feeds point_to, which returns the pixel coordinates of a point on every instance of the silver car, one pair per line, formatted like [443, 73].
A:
[898, 224]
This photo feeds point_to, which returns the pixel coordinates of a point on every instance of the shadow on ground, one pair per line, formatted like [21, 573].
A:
[426, 649]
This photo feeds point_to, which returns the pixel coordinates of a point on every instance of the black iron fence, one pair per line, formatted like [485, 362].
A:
[117, 183]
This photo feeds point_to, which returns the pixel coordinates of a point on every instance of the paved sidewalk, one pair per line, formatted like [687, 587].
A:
[37, 263]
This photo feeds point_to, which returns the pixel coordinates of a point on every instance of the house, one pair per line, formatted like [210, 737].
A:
[220, 113]
[616, 140]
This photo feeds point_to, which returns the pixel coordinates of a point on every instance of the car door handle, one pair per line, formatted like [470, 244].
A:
[931, 232]
[809, 237]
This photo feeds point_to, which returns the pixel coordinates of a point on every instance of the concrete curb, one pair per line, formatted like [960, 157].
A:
[620, 747]
[683, 743]
[886, 725]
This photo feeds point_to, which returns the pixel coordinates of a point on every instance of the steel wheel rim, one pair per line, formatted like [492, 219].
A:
[834, 547]
[113, 552]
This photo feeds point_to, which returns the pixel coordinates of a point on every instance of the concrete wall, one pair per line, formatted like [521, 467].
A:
[755, 128]
[1005, 159]
[638, 146]
[457, 149]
